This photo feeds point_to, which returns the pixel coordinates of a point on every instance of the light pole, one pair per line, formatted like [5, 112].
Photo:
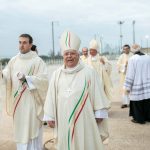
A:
[100, 38]
[101, 43]
[1, 66]
[121, 36]
[133, 25]
[141, 43]
[147, 38]
[53, 39]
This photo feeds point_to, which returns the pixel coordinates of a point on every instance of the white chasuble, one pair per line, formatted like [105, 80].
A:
[25, 105]
[72, 100]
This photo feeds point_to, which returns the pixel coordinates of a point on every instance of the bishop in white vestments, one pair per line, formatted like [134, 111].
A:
[76, 105]
[102, 66]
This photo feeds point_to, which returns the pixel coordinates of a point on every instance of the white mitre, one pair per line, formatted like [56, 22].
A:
[69, 41]
[94, 45]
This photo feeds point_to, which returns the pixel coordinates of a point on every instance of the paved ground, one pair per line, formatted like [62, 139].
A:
[124, 135]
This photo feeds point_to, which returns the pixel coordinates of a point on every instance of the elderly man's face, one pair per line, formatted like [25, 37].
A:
[24, 45]
[85, 51]
[126, 49]
[71, 58]
[93, 52]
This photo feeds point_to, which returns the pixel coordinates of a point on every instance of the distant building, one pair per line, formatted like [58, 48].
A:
[146, 50]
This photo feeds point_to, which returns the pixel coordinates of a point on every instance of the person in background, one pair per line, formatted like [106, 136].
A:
[102, 66]
[137, 85]
[84, 55]
[122, 64]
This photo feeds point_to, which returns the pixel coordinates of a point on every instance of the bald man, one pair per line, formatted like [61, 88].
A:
[84, 55]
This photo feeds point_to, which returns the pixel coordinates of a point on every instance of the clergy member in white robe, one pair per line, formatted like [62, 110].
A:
[76, 105]
[122, 64]
[84, 56]
[102, 66]
[26, 86]
[137, 84]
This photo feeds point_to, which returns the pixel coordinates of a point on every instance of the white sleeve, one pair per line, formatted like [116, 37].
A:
[102, 113]
[30, 83]
[107, 66]
[47, 118]
[4, 73]
[129, 79]
[1, 75]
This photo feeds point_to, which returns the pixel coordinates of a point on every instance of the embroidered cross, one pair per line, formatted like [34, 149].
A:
[68, 92]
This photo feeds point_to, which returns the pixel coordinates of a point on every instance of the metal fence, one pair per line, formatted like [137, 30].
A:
[53, 61]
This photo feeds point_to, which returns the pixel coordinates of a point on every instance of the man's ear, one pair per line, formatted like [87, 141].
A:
[31, 45]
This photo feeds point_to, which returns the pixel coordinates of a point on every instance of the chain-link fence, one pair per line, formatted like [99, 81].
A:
[56, 60]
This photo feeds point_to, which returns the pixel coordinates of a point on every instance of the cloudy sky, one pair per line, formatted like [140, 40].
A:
[86, 18]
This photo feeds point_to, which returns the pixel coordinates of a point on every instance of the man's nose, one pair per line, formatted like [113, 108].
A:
[20, 44]
[69, 54]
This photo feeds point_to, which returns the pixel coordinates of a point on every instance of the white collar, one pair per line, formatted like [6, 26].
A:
[77, 68]
[27, 55]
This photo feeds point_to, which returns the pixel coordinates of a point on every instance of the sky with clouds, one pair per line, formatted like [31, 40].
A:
[86, 18]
